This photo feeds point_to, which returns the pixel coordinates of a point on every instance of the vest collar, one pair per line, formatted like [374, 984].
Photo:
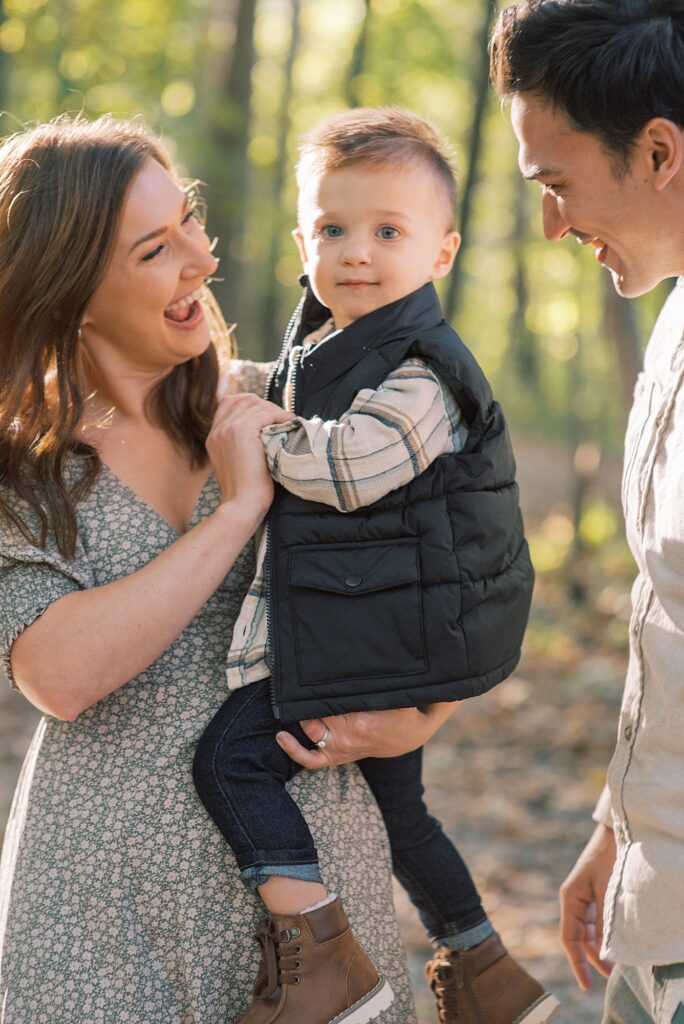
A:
[326, 362]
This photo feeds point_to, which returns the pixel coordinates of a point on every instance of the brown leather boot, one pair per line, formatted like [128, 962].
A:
[484, 985]
[314, 972]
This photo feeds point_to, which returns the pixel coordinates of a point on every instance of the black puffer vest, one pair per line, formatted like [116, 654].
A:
[424, 595]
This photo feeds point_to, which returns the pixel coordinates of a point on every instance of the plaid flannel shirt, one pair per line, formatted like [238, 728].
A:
[384, 440]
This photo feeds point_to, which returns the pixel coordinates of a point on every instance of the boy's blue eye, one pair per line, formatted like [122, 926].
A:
[332, 231]
[386, 232]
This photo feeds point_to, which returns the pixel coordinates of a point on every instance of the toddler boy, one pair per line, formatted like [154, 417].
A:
[393, 572]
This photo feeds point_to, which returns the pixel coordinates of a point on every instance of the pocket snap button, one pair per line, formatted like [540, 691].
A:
[353, 581]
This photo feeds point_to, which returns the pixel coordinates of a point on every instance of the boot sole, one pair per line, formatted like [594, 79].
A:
[368, 1008]
[540, 1012]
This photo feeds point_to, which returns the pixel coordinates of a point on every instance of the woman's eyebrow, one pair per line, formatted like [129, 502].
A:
[158, 231]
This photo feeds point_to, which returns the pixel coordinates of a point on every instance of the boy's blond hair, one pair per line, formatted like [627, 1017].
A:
[376, 135]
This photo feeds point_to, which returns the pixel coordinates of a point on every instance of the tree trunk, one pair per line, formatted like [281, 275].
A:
[620, 323]
[228, 122]
[521, 339]
[481, 92]
[271, 326]
[352, 93]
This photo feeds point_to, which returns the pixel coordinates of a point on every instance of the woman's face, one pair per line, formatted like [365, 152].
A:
[145, 315]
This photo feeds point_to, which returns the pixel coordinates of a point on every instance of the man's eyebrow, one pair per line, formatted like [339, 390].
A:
[157, 231]
[540, 172]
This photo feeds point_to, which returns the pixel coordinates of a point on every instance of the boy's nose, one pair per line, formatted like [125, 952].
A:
[355, 254]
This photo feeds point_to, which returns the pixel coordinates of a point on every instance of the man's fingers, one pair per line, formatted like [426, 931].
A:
[579, 964]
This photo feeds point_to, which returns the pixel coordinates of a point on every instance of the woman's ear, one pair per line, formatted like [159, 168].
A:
[451, 243]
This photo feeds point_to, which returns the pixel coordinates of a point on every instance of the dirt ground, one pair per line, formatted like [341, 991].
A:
[513, 775]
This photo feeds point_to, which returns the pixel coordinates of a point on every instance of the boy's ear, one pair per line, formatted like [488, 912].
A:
[299, 239]
[451, 243]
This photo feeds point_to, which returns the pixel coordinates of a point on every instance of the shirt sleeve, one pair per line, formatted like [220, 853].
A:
[31, 578]
[384, 440]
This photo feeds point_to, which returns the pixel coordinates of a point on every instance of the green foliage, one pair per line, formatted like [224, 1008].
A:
[533, 313]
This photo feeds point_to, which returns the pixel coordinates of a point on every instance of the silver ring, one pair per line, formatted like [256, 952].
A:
[324, 739]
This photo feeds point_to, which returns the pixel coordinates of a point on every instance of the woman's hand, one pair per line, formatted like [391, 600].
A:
[236, 450]
[365, 734]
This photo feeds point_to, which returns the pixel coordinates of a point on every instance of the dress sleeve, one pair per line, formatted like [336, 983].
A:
[248, 376]
[31, 578]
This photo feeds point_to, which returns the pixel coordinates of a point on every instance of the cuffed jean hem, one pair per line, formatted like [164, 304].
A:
[467, 937]
[259, 874]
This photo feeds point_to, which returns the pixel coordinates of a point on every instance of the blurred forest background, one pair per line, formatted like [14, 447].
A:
[230, 84]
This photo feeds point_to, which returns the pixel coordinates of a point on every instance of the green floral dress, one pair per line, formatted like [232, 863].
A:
[119, 900]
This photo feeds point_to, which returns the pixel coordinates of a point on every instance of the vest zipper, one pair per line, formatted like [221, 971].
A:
[270, 529]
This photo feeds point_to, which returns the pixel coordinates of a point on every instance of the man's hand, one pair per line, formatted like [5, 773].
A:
[581, 902]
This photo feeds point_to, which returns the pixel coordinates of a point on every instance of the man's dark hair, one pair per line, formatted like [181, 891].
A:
[609, 65]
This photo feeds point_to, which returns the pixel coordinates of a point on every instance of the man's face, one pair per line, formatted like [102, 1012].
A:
[369, 235]
[625, 214]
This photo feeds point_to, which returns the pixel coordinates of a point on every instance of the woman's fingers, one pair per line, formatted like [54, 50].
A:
[248, 409]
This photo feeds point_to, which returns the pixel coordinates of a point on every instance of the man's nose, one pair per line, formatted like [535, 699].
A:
[555, 226]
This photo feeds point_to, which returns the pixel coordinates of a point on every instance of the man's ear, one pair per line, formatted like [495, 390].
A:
[663, 143]
[298, 236]
[451, 243]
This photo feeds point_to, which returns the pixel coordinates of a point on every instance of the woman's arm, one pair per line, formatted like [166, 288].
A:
[366, 734]
[88, 644]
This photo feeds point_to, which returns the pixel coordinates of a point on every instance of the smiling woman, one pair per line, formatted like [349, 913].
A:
[129, 495]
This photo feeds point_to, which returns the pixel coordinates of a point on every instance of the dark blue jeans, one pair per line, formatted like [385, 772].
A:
[240, 774]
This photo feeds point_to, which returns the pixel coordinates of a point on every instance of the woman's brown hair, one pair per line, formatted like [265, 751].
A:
[62, 189]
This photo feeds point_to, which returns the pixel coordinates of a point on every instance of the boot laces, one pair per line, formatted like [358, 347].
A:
[446, 979]
[279, 965]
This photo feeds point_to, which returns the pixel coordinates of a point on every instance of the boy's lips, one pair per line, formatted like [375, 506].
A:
[357, 283]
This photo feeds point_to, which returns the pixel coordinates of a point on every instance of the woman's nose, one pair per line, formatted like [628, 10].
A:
[200, 261]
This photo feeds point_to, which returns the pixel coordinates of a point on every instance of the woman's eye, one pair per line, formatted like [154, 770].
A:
[332, 231]
[155, 252]
[386, 232]
[192, 214]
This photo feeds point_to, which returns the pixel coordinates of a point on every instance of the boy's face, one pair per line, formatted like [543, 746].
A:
[369, 235]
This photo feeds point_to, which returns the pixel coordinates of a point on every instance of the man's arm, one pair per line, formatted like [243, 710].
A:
[384, 440]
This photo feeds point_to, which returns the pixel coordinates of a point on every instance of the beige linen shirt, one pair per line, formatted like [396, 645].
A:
[644, 799]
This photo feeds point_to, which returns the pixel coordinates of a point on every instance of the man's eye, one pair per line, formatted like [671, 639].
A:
[332, 231]
[386, 232]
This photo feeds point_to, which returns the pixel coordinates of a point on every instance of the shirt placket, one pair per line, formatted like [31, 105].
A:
[639, 499]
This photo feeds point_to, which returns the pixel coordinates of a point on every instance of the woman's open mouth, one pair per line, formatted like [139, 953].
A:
[187, 312]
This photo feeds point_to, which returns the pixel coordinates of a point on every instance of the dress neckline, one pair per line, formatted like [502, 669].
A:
[150, 508]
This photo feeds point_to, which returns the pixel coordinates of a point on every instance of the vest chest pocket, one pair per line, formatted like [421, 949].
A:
[356, 611]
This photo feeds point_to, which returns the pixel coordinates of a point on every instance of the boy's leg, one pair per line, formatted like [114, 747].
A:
[425, 861]
[472, 975]
[313, 970]
[240, 774]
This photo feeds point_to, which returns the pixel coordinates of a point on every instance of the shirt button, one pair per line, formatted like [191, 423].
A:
[628, 732]
[353, 581]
